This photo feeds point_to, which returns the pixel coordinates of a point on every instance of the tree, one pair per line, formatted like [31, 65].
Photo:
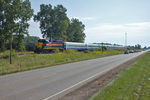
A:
[55, 25]
[13, 19]
[10, 14]
[61, 23]
[145, 47]
[2, 20]
[138, 46]
[25, 15]
[75, 32]
[53, 22]
[70, 32]
[45, 17]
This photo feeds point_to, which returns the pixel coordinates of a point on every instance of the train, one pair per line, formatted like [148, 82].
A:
[43, 46]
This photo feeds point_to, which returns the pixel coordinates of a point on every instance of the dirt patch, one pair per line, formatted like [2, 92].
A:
[87, 91]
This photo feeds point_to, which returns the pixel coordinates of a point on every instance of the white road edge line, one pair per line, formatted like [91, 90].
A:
[75, 85]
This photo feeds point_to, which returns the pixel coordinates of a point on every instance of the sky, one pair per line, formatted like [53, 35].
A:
[105, 20]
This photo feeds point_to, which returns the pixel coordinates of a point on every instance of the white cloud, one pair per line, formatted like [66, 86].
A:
[34, 29]
[138, 33]
[86, 18]
[145, 24]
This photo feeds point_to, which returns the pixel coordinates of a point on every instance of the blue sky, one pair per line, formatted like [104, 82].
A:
[105, 20]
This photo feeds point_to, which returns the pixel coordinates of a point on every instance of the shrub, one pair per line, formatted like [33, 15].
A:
[70, 51]
[104, 48]
[56, 51]
[86, 51]
[98, 49]
[91, 49]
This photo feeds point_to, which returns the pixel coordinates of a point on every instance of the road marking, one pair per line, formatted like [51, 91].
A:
[75, 85]
[49, 75]
[96, 75]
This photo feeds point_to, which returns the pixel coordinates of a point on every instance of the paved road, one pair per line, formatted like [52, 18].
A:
[50, 83]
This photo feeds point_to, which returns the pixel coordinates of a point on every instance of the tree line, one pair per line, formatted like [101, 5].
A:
[54, 24]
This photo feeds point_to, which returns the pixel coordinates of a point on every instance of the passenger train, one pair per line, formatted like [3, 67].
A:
[45, 47]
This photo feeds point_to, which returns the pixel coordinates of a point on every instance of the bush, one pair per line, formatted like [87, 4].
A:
[6, 54]
[86, 51]
[104, 48]
[70, 51]
[91, 49]
[56, 51]
[98, 49]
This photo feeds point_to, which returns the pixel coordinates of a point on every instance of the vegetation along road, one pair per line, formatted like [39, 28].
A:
[27, 60]
[53, 82]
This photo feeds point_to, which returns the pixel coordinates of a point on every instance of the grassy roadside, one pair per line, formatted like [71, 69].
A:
[28, 60]
[133, 83]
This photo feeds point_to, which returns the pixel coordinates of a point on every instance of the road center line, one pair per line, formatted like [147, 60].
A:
[49, 75]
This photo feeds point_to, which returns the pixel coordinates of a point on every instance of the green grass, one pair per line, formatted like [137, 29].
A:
[133, 83]
[23, 61]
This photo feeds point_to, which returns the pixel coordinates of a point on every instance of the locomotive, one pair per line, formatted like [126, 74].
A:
[44, 46]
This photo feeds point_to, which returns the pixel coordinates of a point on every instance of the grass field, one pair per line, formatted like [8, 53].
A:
[133, 83]
[23, 61]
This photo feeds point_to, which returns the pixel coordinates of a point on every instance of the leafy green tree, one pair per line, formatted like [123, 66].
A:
[61, 23]
[53, 22]
[45, 17]
[14, 15]
[75, 32]
[70, 32]
[2, 19]
[138, 46]
[8, 10]
[25, 15]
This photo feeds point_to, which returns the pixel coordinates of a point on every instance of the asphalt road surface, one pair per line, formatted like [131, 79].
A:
[53, 82]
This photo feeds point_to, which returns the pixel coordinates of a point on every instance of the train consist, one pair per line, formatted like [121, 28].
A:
[45, 47]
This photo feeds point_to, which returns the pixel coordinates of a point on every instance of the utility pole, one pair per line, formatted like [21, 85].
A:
[102, 46]
[126, 39]
[10, 58]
